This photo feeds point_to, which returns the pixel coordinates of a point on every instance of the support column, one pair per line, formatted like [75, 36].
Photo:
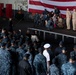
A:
[44, 35]
[74, 40]
[55, 36]
[63, 38]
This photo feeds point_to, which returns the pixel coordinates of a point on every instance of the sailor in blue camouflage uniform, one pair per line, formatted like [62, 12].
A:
[53, 68]
[30, 57]
[62, 58]
[25, 46]
[36, 19]
[13, 58]
[40, 63]
[58, 50]
[50, 24]
[30, 60]
[5, 39]
[0, 41]
[15, 35]
[68, 68]
[3, 32]
[13, 47]
[73, 53]
[20, 52]
[5, 61]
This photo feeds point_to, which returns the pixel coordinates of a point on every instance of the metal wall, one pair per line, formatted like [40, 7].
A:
[16, 4]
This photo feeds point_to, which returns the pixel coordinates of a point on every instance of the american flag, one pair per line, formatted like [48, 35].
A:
[38, 6]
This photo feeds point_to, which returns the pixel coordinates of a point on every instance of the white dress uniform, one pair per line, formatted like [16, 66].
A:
[46, 54]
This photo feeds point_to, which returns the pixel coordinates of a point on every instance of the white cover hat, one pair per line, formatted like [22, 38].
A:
[47, 45]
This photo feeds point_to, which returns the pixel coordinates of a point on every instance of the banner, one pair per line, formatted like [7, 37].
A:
[38, 6]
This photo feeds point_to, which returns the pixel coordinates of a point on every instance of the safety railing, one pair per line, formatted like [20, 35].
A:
[55, 33]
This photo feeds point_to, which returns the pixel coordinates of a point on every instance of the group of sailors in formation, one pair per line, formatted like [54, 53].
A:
[21, 55]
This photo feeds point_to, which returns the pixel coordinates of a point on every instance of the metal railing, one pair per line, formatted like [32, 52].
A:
[55, 33]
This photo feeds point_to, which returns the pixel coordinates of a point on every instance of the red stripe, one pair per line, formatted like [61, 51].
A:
[35, 11]
[40, 12]
[51, 6]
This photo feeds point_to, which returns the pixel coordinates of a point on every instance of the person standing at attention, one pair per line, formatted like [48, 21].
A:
[74, 19]
[68, 18]
[46, 54]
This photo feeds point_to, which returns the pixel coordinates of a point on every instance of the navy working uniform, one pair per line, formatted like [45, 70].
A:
[30, 58]
[20, 53]
[5, 62]
[68, 69]
[14, 59]
[36, 18]
[40, 64]
[50, 24]
[62, 58]
[73, 53]
[5, 39]
[58, 50]
[53, 68]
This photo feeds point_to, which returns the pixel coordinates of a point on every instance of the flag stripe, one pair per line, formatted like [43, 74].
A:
[40, 11]
[35, 11]
[41, 8]
[57, 0]
[56, 3]
[51, 6]
[38, 6]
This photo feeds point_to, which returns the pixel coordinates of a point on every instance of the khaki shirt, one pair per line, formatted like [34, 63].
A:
[74, 15]
[68, 14]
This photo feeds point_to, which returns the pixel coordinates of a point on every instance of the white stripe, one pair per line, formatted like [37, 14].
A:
[34, 0]
[28, 5]
[36, 7]
[55, 3]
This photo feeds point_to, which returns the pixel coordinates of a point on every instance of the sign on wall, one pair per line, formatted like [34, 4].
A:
[21, 5]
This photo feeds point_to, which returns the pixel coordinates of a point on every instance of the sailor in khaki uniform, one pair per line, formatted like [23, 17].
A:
[74, 19]
[68, 18]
